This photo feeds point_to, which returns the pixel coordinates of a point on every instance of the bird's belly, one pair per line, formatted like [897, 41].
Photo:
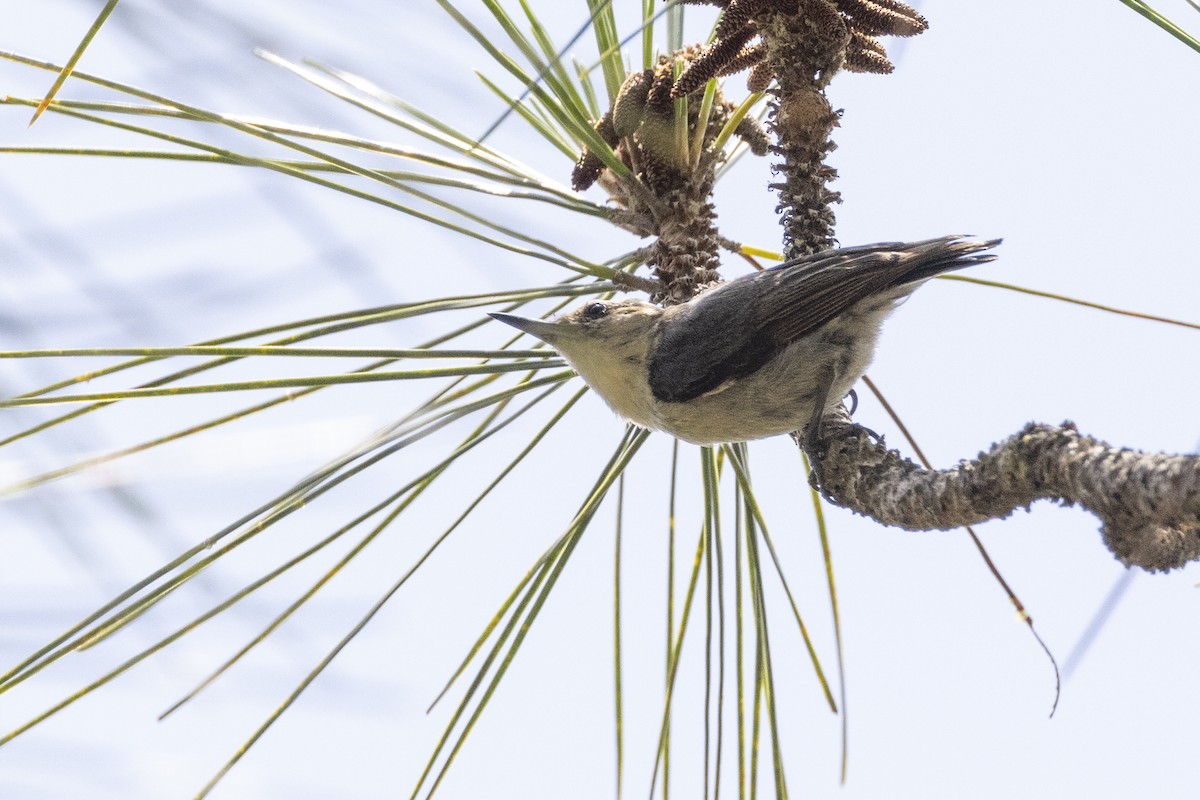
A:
[737, 415]
[777, 399]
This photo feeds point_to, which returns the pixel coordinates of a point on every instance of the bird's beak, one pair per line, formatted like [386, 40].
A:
[546, 331]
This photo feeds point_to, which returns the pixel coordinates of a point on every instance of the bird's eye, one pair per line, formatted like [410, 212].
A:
[595, 311]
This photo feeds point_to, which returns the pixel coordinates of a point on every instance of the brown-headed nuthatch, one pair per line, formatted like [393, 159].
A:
[760, 355]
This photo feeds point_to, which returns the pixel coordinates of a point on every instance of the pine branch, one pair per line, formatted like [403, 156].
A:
[1148, 503]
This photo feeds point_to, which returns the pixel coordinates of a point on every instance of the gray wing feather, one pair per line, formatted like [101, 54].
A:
[735, 328]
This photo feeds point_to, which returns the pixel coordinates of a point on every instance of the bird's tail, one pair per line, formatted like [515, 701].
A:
[934, 256]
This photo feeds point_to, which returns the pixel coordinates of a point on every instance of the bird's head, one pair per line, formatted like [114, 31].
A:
[608, 343]
[595, 331]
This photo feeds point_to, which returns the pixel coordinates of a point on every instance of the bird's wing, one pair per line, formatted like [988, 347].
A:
[734, 329]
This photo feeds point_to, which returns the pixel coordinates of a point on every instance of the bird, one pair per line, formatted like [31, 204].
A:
[761, 355]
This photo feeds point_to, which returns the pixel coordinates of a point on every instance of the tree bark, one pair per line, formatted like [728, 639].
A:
[1148, 503]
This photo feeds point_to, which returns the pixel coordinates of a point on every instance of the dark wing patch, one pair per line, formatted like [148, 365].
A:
[698, 351]
[733, 330]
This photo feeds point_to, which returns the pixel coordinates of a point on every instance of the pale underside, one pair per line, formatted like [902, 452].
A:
[776, 399]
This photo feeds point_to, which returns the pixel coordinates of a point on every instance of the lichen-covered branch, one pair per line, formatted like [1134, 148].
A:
[1148, 504]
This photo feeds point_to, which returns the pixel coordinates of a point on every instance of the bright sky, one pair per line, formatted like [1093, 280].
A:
[1069, 132]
